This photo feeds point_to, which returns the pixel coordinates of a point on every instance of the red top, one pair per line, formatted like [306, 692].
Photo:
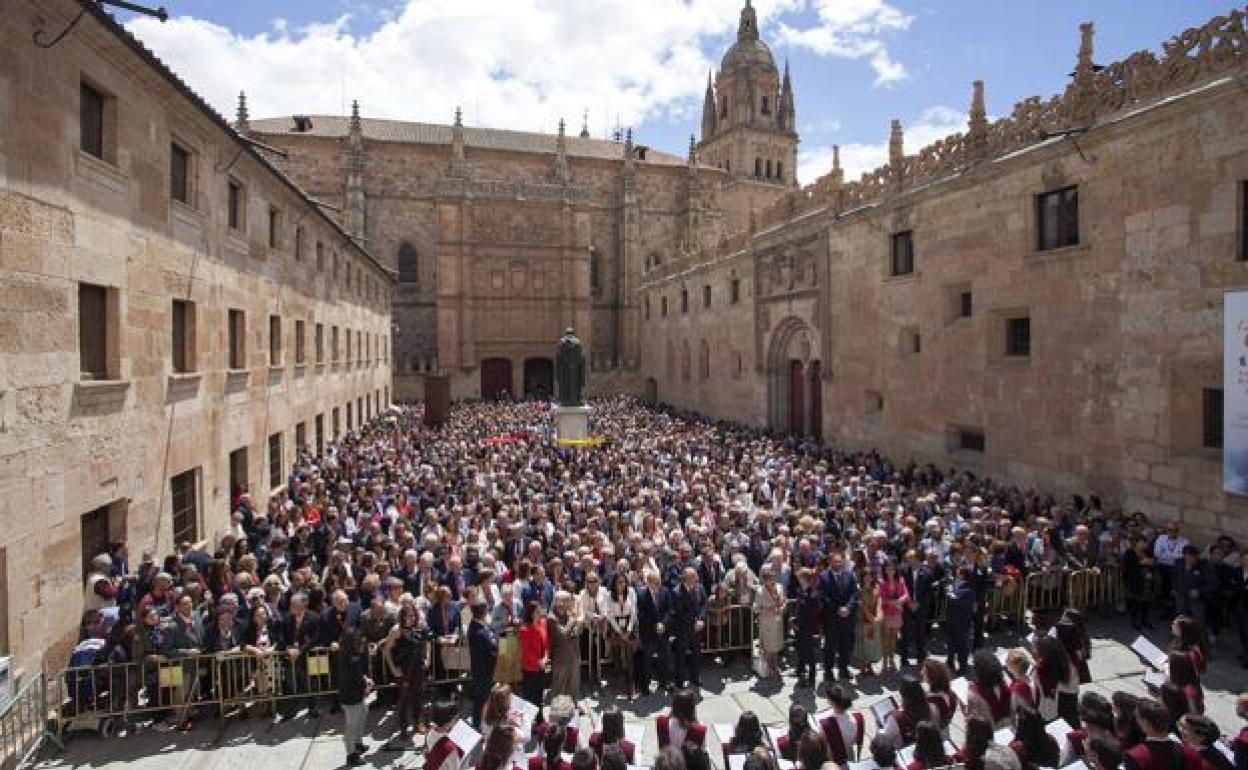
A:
[1021, 691]
[534, 645]
[538, 762]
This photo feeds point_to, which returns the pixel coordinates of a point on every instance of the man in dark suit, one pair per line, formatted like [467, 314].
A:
[339, 617]
[920, 582]
[1194, 585]
[688, 610]
[808, 620]
[654, 617]
[302, 631]
[839, 590]
[959, 615]
[483, 657]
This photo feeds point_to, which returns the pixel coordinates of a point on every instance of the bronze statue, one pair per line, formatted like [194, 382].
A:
[570, 370]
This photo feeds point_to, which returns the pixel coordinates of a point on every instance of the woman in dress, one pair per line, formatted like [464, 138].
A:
[564, 631]
[868, 645]
[769, 603]
[622, 620]
[893, 599]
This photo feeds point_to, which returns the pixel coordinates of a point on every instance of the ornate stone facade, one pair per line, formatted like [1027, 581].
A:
[233, 321]
[1038, 299]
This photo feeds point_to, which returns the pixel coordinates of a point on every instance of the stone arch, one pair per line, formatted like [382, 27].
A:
[794, 396]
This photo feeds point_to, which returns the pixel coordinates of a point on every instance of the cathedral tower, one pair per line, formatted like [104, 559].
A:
[749, 126]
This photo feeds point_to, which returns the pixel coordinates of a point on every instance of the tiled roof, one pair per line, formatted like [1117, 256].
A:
[336, 126]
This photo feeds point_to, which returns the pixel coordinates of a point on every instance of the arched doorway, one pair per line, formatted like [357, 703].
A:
[496, 379]
[539, 378]
[794, 380]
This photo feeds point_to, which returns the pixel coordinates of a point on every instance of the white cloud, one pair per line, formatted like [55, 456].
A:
[932, 124]
[854, 29]
[511, 63]
[519, 64]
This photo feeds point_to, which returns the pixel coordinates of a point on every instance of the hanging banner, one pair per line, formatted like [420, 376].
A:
[1235, 393]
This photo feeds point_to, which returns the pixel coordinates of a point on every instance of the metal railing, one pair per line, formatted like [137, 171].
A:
[23, 724]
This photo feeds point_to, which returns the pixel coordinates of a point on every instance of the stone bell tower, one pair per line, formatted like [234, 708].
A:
[749, 125]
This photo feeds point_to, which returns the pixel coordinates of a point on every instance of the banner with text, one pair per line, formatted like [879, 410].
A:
[1235, 393]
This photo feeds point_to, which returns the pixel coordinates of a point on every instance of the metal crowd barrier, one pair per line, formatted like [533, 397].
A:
[729, 629]
[23, 724]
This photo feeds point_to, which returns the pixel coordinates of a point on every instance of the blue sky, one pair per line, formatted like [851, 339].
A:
[525, 63]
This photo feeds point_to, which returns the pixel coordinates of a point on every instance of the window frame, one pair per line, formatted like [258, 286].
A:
[183, 340]
[235, 205]
[1018, 337]
[189, 506]
[184, 193]
[93, 102]
[236, 343]
[1212, 414]
[275, 340]
[97, 336]
[901, 253]
[1065, 218]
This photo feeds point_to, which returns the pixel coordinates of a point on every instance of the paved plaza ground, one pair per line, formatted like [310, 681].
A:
[730, 688]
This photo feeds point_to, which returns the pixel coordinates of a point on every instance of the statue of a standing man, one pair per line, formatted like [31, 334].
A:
[570, 370]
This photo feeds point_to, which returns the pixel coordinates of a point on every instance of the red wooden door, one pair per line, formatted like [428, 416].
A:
[495, 379]
[797, 392]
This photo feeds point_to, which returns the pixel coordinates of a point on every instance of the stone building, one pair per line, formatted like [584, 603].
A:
[177, 316]
[1038, 299]
[502, 239]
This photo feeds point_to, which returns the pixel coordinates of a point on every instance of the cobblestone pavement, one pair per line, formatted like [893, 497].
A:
[729, 688]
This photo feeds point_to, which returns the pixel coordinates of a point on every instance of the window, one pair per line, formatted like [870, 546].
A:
[320, 434]
[179, 173]
[767, 169]
[647, 306]
[684, 300]
[275, 340]
[409, 266]
[275, 228]
[902, 262]
[238, 339]
[663, 307]
[734, 291]
[766, 108]
[333, 344]
[706, 296]
[95, 533]
[183, 491]
[301, 436]
[916, 343]
[320, 343]
[350, 414]
[758, 167]
[348, 335]
[239, 478]
[335, 423]
[299, 243]
[780, 171]
[275, 461]
[1212, 418]
[234, 205]
[1018, 337]
[91, 112]
[965, 304]
[1057, 218]
[183, 322]
[299, 343]
[93, 332]
[970, 440]
[320, 257]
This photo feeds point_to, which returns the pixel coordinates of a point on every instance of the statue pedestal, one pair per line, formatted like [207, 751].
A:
[571, 423]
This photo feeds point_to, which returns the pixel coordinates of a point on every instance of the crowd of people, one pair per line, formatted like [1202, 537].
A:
[484, 546]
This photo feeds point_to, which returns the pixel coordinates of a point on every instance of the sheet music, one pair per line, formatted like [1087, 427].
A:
[1058, 728]
[1154, 679]
[636, 734]
[882, 709]
[961, 689]
[464, 736]
[1150, 652]
[866, 764]
[905, 755]
[522, 714]
[773, 733]
[725, 731]
[1003, 736]
[1224, 747]
[736, 762]
[1078, 764]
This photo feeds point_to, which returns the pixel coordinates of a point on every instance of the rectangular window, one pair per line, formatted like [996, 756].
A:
[1018, 337]
[333, 344]
[320, 434]
[299, 243]
[734, 291]
[1212, 418]
[336, 423]
[299, 343]
[93, 331]
[350, 421]
[239, 480]
[1057, 219]
[275, 228]
[301, 436]
[320, 343]
[663, 307]
[320, 257]
[965, 305]
[234, 205]
[238, 339]
[706, 296]
[275, 460]
[903, 253]
[91, 113]
[275, 340]
[348, 334]
[970, 440]
[684, 300]
[179, 173]
[183, 490]
[647, 307]
[94, 535]
[183, 322]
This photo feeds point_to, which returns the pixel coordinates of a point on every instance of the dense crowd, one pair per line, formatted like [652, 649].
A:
[509, 551]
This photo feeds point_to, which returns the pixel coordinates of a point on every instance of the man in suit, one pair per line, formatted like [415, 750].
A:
[339, 618]
[916, 617]
[483, 657]
[1194, 585]
[302, 631]
[959, 616]
[839, 590]
[654, 616]
[809, 625]
[688, 610]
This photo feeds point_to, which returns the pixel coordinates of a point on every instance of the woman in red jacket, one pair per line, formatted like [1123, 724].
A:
[534, 654]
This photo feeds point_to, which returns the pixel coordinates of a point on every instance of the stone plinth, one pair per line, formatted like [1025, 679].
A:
[571, 423]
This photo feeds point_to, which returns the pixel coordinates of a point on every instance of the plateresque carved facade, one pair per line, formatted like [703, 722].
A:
[1038, 298]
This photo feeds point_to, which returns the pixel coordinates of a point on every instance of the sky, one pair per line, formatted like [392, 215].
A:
[525, 64]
